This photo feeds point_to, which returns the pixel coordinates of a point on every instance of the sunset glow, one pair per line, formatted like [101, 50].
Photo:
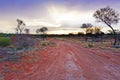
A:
[52, 14]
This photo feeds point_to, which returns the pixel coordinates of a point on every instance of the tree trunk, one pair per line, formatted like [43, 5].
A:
[114, 34]
[43, 35]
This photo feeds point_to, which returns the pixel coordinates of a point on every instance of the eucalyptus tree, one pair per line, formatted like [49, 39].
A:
[86, 26]
[108, 16]
[43, 31]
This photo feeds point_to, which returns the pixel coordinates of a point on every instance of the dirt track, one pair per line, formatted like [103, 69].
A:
[69, 61]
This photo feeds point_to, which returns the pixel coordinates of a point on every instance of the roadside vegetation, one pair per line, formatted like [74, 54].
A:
[4, 41]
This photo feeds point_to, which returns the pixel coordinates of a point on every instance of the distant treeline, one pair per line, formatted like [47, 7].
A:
[55, 35]
[73, 35]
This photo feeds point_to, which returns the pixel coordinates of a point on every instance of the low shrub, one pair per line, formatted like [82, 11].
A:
[46, 42]
[4, 41]
[22, 41]
[90, 45]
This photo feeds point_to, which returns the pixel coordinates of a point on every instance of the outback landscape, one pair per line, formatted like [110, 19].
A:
[59, 51]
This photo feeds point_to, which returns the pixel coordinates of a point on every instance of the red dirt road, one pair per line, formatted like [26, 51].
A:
[69, 61]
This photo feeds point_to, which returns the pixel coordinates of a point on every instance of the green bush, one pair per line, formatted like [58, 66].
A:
[4, 41]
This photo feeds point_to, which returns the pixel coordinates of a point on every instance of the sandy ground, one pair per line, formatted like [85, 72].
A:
[69, 61]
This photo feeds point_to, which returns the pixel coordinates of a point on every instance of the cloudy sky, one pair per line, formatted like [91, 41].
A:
[60, 16]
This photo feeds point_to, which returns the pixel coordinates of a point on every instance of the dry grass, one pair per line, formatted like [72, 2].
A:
[95, 45]
[46, 43]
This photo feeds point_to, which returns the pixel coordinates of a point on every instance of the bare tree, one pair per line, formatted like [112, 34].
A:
[108, 16]
[20, 26]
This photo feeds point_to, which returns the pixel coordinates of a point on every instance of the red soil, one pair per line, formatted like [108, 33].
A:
[67, 61]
